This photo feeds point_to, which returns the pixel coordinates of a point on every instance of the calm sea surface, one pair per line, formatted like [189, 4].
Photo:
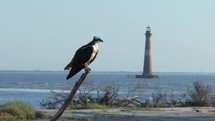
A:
[33, 86]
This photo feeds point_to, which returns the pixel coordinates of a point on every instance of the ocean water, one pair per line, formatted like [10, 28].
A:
[33, 86]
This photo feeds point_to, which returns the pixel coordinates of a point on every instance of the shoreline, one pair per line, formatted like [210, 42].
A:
[123, 114]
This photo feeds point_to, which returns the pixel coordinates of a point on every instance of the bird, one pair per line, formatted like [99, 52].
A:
[83, 57]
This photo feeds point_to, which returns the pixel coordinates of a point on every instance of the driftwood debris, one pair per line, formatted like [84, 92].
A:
[132, 100]
[70, 96]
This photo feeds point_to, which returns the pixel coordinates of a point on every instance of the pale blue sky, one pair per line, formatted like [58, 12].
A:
[44, 34]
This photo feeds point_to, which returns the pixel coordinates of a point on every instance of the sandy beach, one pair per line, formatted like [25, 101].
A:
[119, 114]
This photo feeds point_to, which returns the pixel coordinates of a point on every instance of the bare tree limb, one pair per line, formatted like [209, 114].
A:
[70, 96]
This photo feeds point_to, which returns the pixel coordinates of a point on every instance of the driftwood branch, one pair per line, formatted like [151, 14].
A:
[70, 96]
[133, 100]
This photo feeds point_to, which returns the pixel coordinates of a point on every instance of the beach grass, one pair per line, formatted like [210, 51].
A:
[89, 106]
[17, 110]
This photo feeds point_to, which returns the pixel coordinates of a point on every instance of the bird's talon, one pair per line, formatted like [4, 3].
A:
[87, 69]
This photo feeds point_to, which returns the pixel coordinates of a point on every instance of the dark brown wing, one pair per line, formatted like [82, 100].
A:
[81, 56]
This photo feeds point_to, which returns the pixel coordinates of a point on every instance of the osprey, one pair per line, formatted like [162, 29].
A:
[83, 57]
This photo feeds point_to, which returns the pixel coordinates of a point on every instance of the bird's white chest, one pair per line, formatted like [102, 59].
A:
[95, 50]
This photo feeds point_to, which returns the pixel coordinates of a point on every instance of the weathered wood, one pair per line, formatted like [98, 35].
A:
[70, 96]
[132, 100]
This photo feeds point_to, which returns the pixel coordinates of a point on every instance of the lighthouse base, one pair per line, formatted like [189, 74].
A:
[147, 76]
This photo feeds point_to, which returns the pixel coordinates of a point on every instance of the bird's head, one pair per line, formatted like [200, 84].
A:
[97, 39]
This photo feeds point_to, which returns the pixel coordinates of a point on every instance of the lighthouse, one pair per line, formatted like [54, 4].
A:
[147, 66]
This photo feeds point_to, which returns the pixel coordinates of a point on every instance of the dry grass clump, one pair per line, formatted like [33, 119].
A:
[17, 110]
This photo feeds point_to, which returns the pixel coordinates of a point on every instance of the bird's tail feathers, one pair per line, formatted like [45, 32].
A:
[68, 67]
[74, 71]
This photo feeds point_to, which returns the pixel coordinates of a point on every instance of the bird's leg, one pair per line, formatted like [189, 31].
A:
[87, 69]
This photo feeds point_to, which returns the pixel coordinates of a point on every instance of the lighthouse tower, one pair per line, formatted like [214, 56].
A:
[147, 68]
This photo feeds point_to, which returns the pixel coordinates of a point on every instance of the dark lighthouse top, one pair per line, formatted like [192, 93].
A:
[148, 32]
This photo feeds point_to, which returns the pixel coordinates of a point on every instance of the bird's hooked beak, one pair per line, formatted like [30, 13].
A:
[97, 39]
